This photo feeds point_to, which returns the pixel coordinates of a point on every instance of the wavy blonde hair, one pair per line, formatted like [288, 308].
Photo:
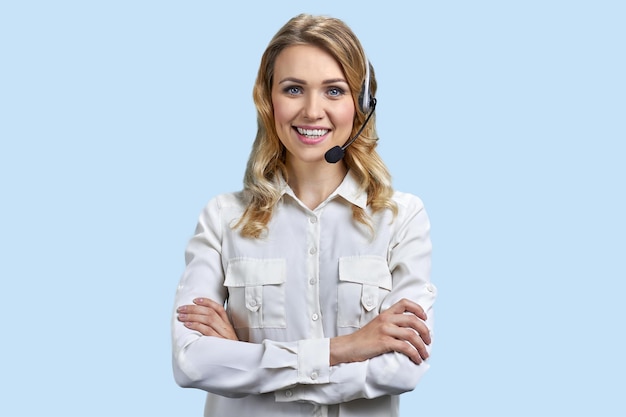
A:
[267, 158]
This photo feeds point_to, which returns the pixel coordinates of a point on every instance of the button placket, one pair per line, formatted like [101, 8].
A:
[313, 302]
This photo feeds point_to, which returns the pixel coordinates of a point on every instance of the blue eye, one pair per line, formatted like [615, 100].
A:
[293, 90]
[335, 92]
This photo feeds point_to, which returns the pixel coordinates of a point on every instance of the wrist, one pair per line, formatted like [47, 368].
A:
[339, 350]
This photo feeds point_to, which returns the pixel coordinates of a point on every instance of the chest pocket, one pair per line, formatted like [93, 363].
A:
[256, 292]
[364, 283]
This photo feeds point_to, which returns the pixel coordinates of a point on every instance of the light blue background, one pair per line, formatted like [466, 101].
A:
[120, 119]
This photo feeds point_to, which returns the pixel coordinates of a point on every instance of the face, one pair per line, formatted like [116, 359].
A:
[313, 106]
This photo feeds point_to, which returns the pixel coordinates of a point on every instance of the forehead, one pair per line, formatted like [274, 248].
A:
[306, 62]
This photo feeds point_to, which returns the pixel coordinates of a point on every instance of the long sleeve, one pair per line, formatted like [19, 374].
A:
[237, 369]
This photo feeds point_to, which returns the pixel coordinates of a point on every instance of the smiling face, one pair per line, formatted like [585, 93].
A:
[313, 106]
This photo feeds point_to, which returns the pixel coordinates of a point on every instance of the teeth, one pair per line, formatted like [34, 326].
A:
[312, 132]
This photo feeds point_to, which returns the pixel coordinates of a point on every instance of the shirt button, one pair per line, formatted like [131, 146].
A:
[430, 288]
[313, 220]
[314, 375]
[369, 302]
[288, 393]
[312, 281]
[313, 251]
[253, 303]
[314, 317]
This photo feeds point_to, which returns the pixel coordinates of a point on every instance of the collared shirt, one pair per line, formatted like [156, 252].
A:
[314, 275]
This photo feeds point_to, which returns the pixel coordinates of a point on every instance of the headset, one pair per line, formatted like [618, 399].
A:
[367, 105]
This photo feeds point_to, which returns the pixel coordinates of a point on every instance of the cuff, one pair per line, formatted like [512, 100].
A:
[314, 361]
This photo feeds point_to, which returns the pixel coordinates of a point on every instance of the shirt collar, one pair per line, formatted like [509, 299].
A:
[348, 189]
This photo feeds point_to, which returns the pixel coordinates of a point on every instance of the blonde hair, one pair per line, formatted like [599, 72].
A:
[267, 158]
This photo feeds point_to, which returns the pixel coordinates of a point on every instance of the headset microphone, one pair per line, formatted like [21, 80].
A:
[335, 154]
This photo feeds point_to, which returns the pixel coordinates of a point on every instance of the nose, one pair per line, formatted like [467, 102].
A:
[313, 107]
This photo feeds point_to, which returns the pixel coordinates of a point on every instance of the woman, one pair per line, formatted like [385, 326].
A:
[308, 293]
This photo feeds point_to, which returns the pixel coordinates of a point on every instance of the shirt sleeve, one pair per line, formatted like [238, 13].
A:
[391, 373]
[233, 368]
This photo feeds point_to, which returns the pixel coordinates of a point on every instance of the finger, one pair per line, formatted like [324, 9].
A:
[410, 337]
[194, 309]
[424, 333]
[206, 302]
[217, 307]
[203, 329]
[412, 322]
[407, 306]
[204, 322]
[206, 317]
[408, 350]
[412, 307]
[206, 307]
[420, 327]
[412, 344]
[420, 346]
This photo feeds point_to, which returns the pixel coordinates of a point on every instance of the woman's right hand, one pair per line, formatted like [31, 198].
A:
[400, 328]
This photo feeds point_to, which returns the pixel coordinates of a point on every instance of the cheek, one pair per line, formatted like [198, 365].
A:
[345, 116]
[283, 113]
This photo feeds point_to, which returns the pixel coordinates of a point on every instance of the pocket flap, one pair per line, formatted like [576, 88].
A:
[245, 272]
[370, 270]
[369, 297]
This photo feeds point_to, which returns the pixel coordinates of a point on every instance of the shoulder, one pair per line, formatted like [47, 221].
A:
[228, 200]
[407, 203]
[412, 221]
[226, 204]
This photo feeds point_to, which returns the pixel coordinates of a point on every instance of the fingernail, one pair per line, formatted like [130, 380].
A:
[181, 308]
[198, 300]
[182, 317]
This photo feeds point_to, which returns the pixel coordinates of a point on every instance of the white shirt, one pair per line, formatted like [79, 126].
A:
[315, 275]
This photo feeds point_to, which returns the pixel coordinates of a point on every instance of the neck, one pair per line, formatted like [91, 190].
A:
[313, 184]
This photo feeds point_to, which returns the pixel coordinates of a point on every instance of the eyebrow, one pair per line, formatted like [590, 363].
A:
[299, 81]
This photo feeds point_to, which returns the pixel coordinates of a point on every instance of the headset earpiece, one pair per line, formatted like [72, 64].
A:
[365, 96]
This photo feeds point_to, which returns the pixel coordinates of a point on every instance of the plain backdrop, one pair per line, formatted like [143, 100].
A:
[120, 119]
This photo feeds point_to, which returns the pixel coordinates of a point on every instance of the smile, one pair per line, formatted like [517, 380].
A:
[312, 133]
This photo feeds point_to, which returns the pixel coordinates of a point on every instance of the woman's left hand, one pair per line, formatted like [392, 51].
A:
[207, 317]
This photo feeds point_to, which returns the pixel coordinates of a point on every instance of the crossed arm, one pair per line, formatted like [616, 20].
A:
[401, 328]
